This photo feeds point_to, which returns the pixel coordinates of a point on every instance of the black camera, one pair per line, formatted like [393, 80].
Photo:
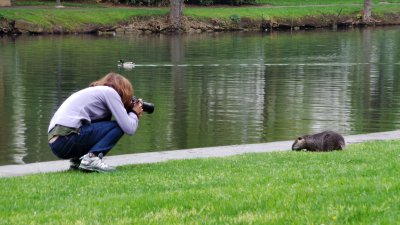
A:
[147, 106]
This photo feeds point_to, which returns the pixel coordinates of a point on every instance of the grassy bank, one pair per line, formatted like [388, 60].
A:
[73, 18]
[258, 13]
[357, 186]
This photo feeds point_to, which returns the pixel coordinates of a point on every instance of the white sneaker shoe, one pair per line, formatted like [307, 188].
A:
[91, 162]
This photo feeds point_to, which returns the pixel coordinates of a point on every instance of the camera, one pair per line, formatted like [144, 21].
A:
[147, 106]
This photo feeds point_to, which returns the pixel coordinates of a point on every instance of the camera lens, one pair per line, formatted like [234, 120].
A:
[148, 107]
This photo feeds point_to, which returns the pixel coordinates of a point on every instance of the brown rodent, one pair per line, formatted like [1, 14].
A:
[321, 142]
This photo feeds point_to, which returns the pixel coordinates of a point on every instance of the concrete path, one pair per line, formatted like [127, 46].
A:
[153, 157]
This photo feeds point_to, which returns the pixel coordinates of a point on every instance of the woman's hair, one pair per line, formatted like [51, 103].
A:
[122, 85]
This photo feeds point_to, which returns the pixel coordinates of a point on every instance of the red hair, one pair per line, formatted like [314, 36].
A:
[119, 83]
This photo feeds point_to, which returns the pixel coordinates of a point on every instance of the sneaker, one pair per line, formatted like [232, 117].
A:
[74, 163]
[91, 162]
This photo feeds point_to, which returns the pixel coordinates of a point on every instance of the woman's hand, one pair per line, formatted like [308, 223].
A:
[137, 108]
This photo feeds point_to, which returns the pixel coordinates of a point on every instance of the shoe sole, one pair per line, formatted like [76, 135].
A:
[87, 168]
[73, 168]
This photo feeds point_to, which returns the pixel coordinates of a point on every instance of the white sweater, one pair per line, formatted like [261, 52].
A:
[94, 103]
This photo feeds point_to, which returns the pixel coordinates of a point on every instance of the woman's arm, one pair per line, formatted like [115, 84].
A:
[127, 121]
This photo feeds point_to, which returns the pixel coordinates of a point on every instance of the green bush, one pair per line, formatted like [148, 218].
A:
[145, 2]
[235, 18]
[237, 2]
[201, 2]
[221, 2]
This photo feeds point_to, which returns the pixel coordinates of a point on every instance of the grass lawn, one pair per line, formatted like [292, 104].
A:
[359, 185]
[72, 18]
[284, 13]
[76, 17]
[79, 15]
[269, 13]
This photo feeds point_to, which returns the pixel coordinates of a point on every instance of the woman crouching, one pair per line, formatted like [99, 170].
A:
[81, 129]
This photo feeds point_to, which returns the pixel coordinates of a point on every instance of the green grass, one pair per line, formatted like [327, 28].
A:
[284, 13]
[76, 17]
[87, 14]
[72, 18]
[268, 13]
[360, 185]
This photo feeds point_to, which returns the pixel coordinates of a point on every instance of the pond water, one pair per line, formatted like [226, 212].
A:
[209, 89]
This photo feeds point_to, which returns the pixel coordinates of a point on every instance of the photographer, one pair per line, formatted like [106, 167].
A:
[81, 129]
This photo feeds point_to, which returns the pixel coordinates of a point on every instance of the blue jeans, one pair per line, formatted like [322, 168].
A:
[97, 138]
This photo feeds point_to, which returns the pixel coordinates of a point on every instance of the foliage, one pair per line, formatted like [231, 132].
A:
[145, 2]
[359, 185]
[222, 2]
[235, 18]
[200, 2]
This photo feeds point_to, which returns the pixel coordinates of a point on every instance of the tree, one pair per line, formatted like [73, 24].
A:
[58, 4]
[367, 15]
[367, 11]
[175, 13]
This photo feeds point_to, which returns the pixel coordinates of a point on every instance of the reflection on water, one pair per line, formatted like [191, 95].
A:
[209, 89]
[18, 120]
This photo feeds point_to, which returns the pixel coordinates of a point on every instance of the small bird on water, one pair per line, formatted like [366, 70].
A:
[126, 65]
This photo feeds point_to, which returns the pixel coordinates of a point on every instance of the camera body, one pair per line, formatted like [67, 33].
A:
[148, 107]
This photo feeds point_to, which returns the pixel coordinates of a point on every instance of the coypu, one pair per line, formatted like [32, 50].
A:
[324, 141]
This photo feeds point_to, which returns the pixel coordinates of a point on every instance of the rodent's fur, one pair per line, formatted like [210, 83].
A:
[321, 142]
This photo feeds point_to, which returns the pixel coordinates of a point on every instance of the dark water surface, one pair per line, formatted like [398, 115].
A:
[209, 89]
